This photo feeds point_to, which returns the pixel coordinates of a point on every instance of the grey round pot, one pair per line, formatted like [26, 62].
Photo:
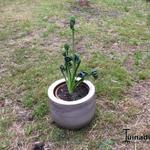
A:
[72, 114]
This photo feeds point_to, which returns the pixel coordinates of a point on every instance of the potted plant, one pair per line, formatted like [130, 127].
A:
[72, 99]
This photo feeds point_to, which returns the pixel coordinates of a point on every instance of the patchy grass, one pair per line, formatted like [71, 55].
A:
[113, 78]
[111, 37]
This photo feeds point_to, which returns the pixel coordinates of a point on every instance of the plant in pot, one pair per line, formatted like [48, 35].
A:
[72, 99]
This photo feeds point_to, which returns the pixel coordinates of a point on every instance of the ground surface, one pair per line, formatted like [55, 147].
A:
[112, 36]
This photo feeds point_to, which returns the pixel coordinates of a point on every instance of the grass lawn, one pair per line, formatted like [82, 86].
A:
[112, 36]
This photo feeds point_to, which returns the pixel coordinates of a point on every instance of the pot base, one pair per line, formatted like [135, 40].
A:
[75, 127]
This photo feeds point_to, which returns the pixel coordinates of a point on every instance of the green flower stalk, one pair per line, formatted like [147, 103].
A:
[72, 24]
[72, 63]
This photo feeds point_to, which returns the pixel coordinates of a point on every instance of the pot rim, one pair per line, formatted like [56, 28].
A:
[53, 98]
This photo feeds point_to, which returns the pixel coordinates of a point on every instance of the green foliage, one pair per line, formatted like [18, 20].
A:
[138, 58]
[113, 77]
[143, 70]
[28, 100]
[40, 110]
[148, 19]
[49, 29]
[58, 134]
[28, 129]
[106, 144]
[71, 64]
[144, 74]
[5, 123]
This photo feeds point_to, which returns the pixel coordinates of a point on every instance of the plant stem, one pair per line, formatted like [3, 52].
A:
[78, 82]
[73, 39]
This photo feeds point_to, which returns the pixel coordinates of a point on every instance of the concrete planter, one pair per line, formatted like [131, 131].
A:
[72, 114]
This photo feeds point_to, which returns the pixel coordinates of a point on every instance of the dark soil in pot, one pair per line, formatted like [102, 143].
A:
[81, 91]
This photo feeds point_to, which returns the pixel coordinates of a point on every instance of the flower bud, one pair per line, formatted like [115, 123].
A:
[62, 68]
[69, 64]
[68, 59]
[72, 22]
[66, 46]
[64, 53]
[82, 74]
[76, 58]
[94, 74]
